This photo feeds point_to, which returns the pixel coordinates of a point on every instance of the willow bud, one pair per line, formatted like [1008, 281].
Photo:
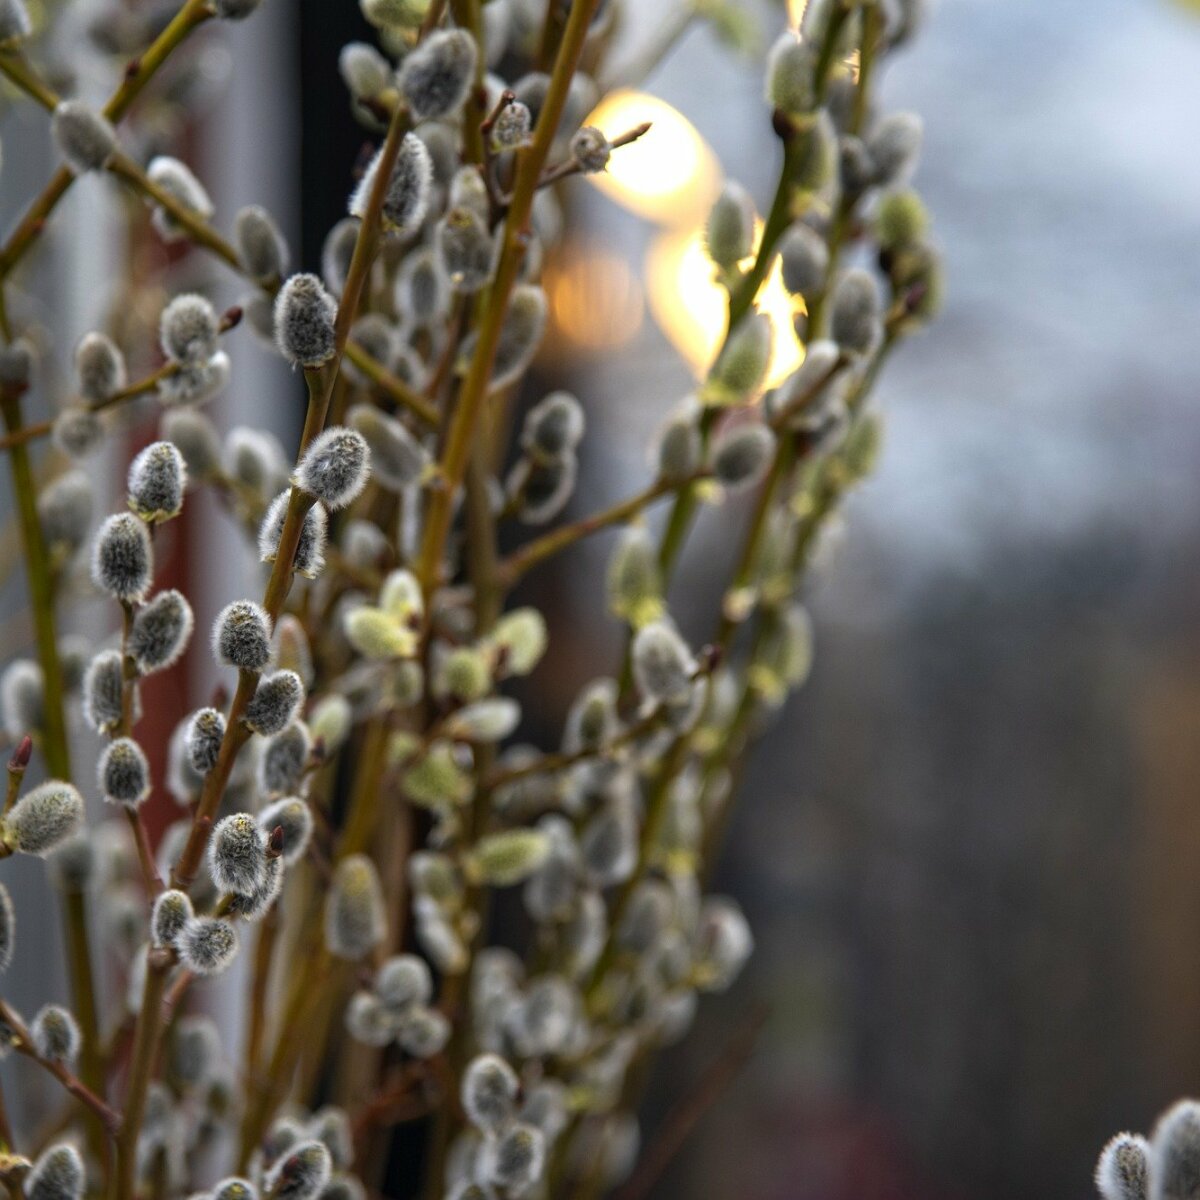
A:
[330, 721]
[520, 639]
[517, 1158]
[355, 922]
[58, 1174]
[337, 251]
[741, 456]
[275, 702]
[398, 460]
[663, 665]
[207, 945]
[680, 447]
[172, 911]
[103, 691]
[124, 772]
[122, 561]
[99, 367]
[304, 319]
[490, 720]
[22, 698]
[335, 467]
[804, 260]
[160, 631]
[894, 146]
[489, 1092]
[177, 181]
[44, 818]
[84, 138]
[465, 249]
[284, 760]
[237, 854]
[294, 817]
[423, 1032]
[406, 200]
[437, 75]
[512, 128]
[65, 511]
[260, 245]
[403, 981]
[1123, 1170]
[553, 427]
[729, 233]
[157, 478]
[743, 362]
[78, 432]
[590, 150]
[310, 549]
[364, 71]
[854, 321]
[195, 436]
[634, 578]
[189, 329]
[301, 1173]
[520, 334]
[55, 1034]
[507, 858]
[791, 76]
[724, 943]
[242, 636]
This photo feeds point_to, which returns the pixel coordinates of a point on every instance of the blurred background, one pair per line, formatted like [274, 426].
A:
[968, 848]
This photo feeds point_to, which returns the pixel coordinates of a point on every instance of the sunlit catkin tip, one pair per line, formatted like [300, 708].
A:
[189, 329]
[791, 76]
[742, 455]
[310, 549]
[304, 318]
[43, 818]
[743, 362]
[103, 684]
[242, 636]
[729, 232]
[507, 858]
[205, 732]
[854, 320]
[207, 945]
[122, 561]
[436, 77]
[663, 665]
[172, 911]
[84, 137]
[99, 367]
[489, 1092]
[335, 467]
[260, 245]
[160, 631]
[301, 1173]
[58, 1174]
[55, 1034]
[406, 198]
[1122, 1172]
[804, 260]
[123, 773]
[355, 922]
[275, 703]
[398, 460]
[237, 854]
[517, 1158]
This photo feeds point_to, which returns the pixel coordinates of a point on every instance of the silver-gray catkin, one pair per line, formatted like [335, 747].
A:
[195, 437]
[65, 511]
[84, 137]
[205, 732]
[804, 260]
[309, 560]
[275, 702]
[512, 127]
[489, 1092]
[189, 329]
[436, 77]
[260, 244]
[43, 818]
[1175, 1153]
[729, 231]
[466, 249]
[122, 561]
[301, 1173]
[8, 928]
[742, 455]
[663, 665]
[304, 321]
[103, 684]
[337, 251]
[398, 460]
[293, 815]
[242, 636]
[123, 773]
[99, 367]
[364, 71]
[402, 981]
[157, 479]
[553, 427]
[894, 146]
[335, 467]
[207, 945]
[520, 334]
[284, 760]
[590, 150]
[58, 1174]
[237, 854]
[55, 1034]
[22, 698]
[78, 432]
[517, 1158]
[854, 319]
[160, 631]
[171, 912]
[355, 921]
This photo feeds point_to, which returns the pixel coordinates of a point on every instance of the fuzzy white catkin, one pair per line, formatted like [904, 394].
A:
[160, 631]
[102, 688]
[260, 245]
[302, 1173]
[1122, 1172]
[22, 698]
[436, 76]
[55, 1034]
[517, 1158]
[172, 911]
[122, 561]
[590, 150]
[205, 732]
[489, 1092]
[84, 138]
[304, 321]
[189, 329]
[284, 760]
[43, 818]
[854, 319]
[403, 981]
[207, 945]
[741, 456]
[65, 511]
[57, 1174]
[465, 250]
[78, 432]
[242, 636]
[275, 702]
[309, 560]
[406, 198]
[237, 854]
[364, 71]
[663, 665]
[157, 479]
[729, 232]
[178, 182]
[335, 467]
[123, 773]
[1175, 1153]
[355, 921]
[398, 460]
[99, 367]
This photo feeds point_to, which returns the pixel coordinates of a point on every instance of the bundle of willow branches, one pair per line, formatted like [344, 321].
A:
[350, 806]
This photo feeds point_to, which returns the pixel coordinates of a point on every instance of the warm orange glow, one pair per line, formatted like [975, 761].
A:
[691, 307]
[796, 12]
[596, 302]
[670, 175]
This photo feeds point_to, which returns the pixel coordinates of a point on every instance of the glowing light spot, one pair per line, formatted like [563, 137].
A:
[670, 175]
[691, 307]
[596, 301]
